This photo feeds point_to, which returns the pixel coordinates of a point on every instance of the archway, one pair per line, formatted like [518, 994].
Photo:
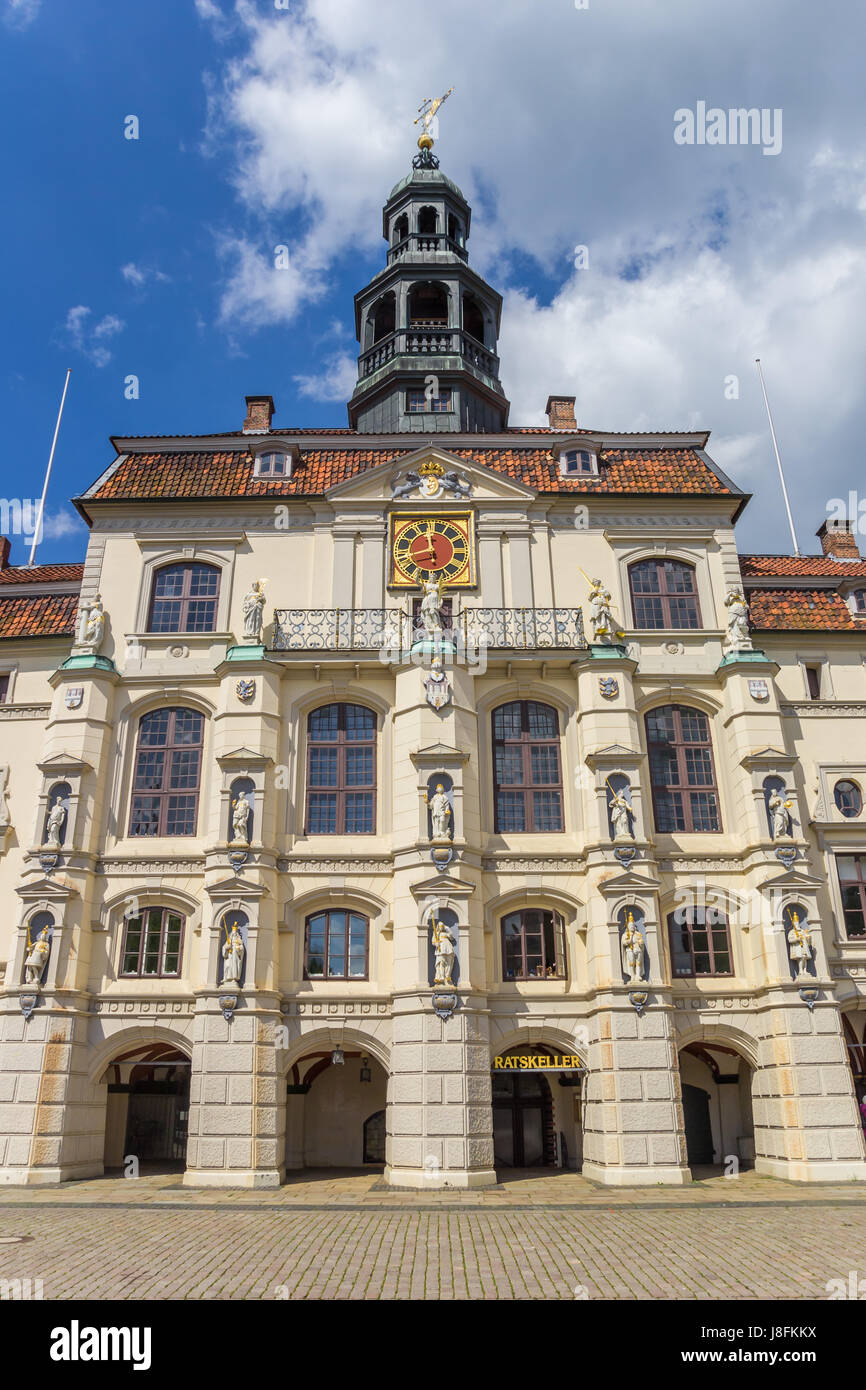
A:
[335, 1110]
[536, 1097]
[854, 1028]
[147, 1110]
[716, 1085]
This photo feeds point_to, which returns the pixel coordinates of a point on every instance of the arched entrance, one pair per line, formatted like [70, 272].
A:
[854, 1027]
[536, 1108]
[147, 1112]
[335, 1110]
[716, 1085]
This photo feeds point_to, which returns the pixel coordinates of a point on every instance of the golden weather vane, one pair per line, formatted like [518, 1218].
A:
[427, 110]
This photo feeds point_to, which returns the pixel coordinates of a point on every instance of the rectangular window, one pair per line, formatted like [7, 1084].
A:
[336, 946]
[851, 869]
[152, 943]
[700, 942]
[664, 595]
[5, 682]
[813, 681]
[418, 402]
[533, 945]
[341, 771]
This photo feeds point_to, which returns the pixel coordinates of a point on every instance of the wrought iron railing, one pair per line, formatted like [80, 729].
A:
[392, 631]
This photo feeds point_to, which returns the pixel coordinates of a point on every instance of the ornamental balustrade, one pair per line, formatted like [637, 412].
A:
[392, 630]
[425, 243]
[420, 342]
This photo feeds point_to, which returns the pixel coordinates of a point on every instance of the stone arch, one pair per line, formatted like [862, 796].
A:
[718, 1099]
[126, 1037]
[552, 1111]
[327, 1036]
[725, 1034]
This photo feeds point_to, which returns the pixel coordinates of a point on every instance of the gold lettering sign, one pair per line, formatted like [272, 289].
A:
[567, 1062]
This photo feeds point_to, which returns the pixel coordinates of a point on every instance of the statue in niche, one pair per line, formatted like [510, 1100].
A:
[241, 819]
[621, 811]
[800, 943]
[254, 609]
[56, 818]
[37, 957]
[431, 607]
[737, 638]
[605, 629]
[440, 812]
[436, 685]
[632, 947]
[233, 953]
[91, 624]
[444, 953]
[780, 814]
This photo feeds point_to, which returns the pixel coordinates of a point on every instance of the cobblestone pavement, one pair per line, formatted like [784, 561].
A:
[343, 1236]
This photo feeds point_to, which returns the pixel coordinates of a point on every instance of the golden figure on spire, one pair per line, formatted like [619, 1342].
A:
[427, 110]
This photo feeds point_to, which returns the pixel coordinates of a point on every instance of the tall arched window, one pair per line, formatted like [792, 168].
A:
[664, 594]
[341, 770]
[527, 778]
[184, 598]
[167, 773]
[682, 770]
[336, 946]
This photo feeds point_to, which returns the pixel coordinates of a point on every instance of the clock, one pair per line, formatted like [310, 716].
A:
[441, 545]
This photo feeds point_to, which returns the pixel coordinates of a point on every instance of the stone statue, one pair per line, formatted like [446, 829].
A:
[233, 957]
[254, 608]
[56, 817]
[91, 624]
[37, 956]
[632, 952]
[431, 607]
[605, 631]
[241, 819]
[440, 812]
[436, 685]
[800, 943]
[443, 947]
[737, 637]
[620, 813]
[780, 814]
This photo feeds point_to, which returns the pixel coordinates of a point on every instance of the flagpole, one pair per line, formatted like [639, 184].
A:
[778, 459]
[37, 533]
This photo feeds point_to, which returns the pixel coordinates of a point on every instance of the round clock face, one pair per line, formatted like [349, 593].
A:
[431, 546]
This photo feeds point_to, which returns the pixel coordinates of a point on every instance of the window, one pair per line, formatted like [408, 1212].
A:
[526, 772]
[681, 770]
[533, 945]
[336, 946]
[152, 943]
[848, 798]
[5, 682]
[577, 461]
[813, 682]
[663, 594]
[852, 881]
[418, 401]
[700, 942]
[859, 597]
[341, 771]
[167, 773]
[184, 599]
[271, 465]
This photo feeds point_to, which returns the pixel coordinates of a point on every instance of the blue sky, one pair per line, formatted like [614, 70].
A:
[262, 126]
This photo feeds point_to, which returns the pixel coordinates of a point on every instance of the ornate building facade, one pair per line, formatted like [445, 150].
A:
[514, 819]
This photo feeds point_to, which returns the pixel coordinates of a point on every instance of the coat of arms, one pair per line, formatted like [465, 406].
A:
[609, 687]
[245, 690]
[73, 697]
[759, 690]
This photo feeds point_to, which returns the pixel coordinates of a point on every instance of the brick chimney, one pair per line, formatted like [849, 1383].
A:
[839, 539]
[5, 547]
[560, 412]
[260, 413]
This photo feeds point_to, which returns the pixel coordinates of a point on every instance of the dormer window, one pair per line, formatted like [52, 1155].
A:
[858, 600]
[273, 465]
[577, 462]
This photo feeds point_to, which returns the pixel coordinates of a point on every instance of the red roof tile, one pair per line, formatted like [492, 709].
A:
[42, 574]
[791, 566]
[662, 472]
[801, 609]
[38, 615]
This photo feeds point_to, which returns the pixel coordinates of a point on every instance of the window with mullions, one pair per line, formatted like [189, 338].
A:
[418, 401]
[848, 798]
[682, 772]
[664, 594]
[851, 869]
[336, 946]
[184, 598]
[167, 773]
[700, 942]
[859, 597]
[341, 771]
[527, 779]
[533, 945]
[152, 943]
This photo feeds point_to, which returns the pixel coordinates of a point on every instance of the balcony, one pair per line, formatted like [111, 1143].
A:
[428, 338]
[390, 630]
[425, 244]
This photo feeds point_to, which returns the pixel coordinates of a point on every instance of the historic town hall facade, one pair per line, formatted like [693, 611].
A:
[433, 792]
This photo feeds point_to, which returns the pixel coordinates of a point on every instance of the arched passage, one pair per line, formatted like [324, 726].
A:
[537, 1121]
[336, 1099]
[716, 1081]
[147, 1107]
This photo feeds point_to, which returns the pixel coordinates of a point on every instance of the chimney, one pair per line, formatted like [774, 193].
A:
[839, 539]
[5, 547]
[560, 412]
[260, 413]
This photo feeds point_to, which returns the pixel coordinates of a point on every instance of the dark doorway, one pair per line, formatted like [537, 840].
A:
[699, 1133]
[158, 1115]
[374, 1138]
[523, 1134]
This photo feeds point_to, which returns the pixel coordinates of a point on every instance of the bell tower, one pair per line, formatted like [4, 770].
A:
[427, 324]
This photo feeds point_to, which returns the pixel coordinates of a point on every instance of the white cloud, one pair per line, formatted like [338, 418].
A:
[91, 339]
[138, 275]
[57, 525]
[335, 382]
[259, 291]
[20, 14]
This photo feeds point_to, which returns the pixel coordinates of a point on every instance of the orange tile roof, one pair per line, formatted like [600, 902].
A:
[41, 574]
[213, 474]
[801, 610]
[792, 566]
[38, 615]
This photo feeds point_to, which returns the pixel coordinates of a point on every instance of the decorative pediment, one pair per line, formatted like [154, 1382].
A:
[768, 758]
[232, 889]
[436, 753]
[791, 881]
[628, 882]
[244, 757]
[47, 890]
[613, 754]
[443, 886]
[457, 481]
[64, 765]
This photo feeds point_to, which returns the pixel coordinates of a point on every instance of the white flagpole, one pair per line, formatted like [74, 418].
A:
[37, 533]
[778, 460]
